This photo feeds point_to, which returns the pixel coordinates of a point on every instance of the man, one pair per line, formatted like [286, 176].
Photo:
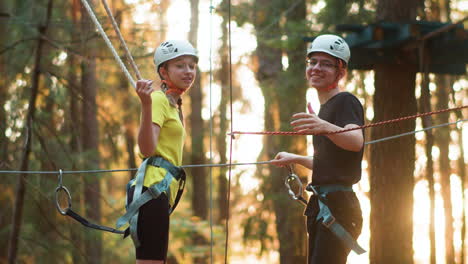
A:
[336, 164]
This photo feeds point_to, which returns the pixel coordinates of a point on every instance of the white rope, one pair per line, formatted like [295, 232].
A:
[109, 44]
[122, 41]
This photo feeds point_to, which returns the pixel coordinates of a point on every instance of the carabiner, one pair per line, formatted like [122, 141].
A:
[290, 178]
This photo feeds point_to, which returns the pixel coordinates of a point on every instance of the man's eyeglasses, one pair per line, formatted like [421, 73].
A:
[326, 65]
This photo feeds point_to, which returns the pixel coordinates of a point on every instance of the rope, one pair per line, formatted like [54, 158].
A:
[223, 164]
[108, 43]
[292, 133]
[211, 132]
[122, 41]
[231, 138]
[132, 169]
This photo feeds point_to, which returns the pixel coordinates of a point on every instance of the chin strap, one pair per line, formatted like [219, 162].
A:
[172, 89]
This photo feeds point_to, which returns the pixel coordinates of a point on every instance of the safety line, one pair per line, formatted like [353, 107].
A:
[413, 132]
[292, 133]
[132, 169]
[211, 131]
[108, 42]
[226, 245]
[224, 164]
[122, 41]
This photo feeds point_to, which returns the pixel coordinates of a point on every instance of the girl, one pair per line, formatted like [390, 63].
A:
[155, 191]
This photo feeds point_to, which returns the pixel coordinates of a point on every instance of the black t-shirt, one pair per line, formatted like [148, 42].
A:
[332, 164]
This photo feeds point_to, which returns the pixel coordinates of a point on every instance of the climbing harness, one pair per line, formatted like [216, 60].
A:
[68, 211]
[328, 220]
[325, 215]
[153, 192]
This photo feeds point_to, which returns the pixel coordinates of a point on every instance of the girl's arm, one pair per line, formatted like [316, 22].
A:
[148, 133]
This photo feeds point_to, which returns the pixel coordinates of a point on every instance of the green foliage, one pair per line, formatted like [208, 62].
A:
[345, 12]
[256, 231]
[184, 228]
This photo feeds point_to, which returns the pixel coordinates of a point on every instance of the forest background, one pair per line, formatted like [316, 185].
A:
[65, 104]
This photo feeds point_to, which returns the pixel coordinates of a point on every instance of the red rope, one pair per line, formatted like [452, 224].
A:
[292, 133]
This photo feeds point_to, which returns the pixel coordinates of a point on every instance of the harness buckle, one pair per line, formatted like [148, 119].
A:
[328, 221]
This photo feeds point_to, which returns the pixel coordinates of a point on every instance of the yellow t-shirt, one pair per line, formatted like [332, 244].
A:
[170, 142]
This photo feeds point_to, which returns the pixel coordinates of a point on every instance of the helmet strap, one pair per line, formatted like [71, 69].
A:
[172, 89]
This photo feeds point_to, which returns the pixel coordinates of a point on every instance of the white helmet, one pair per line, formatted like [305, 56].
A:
[172, 49]
[330, 44]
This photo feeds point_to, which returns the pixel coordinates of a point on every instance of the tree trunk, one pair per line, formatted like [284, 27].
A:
[461, 171]
[443, 142]
[73, 125]
[21, 184]
[283, 97]
[197, 156]
[292, 93]
[392, 163]
[223, 123]
[73, 129]
[199, 174]
[392, 167]
[425, 106]
[3, 92]
[4, 199]
[461, 167]
[90, 138]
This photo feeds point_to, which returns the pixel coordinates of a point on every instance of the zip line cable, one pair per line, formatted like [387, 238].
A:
[211, 131]
[225, 164]
[228, 202]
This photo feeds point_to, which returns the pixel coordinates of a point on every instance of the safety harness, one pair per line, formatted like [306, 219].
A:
[328, 220]
[153, 192]
[325, 215]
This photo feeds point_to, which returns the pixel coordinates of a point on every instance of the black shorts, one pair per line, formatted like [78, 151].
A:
[153, 227]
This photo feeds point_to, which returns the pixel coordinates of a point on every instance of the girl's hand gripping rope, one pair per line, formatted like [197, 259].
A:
[144, 89]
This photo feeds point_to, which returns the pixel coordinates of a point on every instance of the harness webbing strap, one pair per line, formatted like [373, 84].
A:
[329, 221]
[86, 223]
[153, 192]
